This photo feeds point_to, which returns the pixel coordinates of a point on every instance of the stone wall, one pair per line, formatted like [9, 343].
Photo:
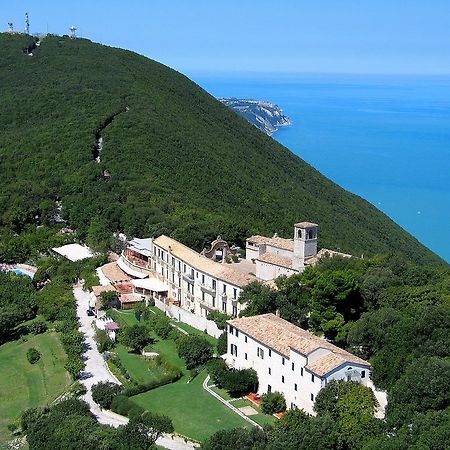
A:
[182, 315]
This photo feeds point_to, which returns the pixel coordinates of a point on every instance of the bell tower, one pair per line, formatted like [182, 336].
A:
[305, 243]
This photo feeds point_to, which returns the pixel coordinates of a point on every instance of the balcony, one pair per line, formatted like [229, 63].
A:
[188, 277]
[208, 289]
[190, 296]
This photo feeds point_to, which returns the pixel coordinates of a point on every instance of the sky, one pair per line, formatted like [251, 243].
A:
[284, 36]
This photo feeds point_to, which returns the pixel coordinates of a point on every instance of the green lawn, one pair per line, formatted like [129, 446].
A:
[139, 368]
[260, 418]
[23, 385]
[194, 412]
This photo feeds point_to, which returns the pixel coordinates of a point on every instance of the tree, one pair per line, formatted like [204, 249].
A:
[298, 431]
[351, 406]
[108, 298]
[273, 402]
[219, 318]
[33, 355]
[136, 337]
[236, 438]
[142, 431]
[195, 350]
[104, 392]
[424, 386]
[258, 298]
[74, 366]
[222, 343]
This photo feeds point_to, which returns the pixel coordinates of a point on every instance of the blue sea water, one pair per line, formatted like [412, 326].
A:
[385, 138]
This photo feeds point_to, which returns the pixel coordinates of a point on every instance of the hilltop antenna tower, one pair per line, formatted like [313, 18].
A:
[27, 24]
[10, 27]
[73, 32]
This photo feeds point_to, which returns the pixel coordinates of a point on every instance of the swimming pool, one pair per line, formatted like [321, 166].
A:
[23, 272]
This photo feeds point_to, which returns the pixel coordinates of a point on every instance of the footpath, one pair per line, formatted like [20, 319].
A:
[97, 370]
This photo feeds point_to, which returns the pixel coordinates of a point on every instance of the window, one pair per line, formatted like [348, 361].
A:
[293, 366]
[301, 371]
[312, 397]
[245, 338]
[173, 261]
[203, 296]
[233, 349]
[214, 284]
[282, 378]
[224, 307]
[235, 311]
[312, 378]
[224, 288]
[293, 406]
[270, 352]
[295, 386]
[260, 353]
[282, 361]
[245, 355]
[363, 374]
[230, 329]
[184, 268]
[269, 388]
[235, 293]
[203, 279]
[237, 332]
[270, 371]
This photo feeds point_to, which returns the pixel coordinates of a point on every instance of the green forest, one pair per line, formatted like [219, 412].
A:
[174, 159]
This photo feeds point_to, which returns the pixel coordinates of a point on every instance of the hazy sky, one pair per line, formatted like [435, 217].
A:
[350, 36]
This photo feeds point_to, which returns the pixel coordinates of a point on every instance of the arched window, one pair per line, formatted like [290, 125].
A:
[299, 234]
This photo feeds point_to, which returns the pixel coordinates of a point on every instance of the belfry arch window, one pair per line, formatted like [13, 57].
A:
[311, 234]
[299, 234]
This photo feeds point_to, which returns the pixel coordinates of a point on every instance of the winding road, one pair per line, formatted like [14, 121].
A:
[97, 370]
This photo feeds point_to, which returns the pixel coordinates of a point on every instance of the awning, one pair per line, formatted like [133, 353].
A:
[151, 284]
[129, 270]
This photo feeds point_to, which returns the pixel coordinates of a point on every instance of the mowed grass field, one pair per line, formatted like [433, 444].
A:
[23, 385]
[194, 412]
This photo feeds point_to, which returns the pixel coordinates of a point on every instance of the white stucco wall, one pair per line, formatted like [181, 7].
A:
[286, 375]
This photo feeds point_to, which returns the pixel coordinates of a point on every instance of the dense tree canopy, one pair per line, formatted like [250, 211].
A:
[163, 138]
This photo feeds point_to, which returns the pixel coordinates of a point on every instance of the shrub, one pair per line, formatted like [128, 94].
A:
[104, 343]
[122, 405]
[236, 382]
[222, 343]
[195, 350]
[103, 393]
[37, 327]
[273, 402]
[77, 389]
[219, 318]
[33, 355]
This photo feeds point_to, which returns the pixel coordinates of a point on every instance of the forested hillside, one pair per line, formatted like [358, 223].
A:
[174, 159]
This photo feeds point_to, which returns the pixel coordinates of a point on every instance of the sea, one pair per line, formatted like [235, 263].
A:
[384, 138]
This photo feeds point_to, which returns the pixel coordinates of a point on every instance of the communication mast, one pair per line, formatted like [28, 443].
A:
[27, 24]
[72, 32]
[10, 27]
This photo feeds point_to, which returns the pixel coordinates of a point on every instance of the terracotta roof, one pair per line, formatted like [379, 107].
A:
[306, 225]
[97, 290]
[282, 336]
[130, 298]
[114, 273]
[328, 362]
[275, 259]
[325, 253]
[285, 244]
[199, 262]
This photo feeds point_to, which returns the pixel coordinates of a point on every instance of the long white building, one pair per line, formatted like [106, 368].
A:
[169, 269]
[289, 359]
